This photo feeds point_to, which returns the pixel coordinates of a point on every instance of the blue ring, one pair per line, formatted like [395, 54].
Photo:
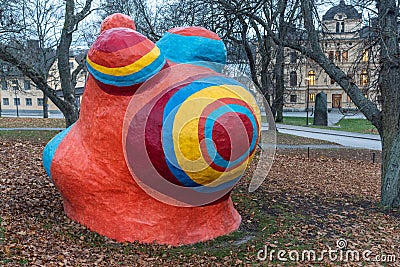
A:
[208, 128]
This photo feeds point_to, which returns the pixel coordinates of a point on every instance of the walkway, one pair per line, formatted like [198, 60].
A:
[349, 139]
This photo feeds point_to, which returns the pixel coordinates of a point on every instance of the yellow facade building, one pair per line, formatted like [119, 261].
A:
[344, 40]
[20, 97]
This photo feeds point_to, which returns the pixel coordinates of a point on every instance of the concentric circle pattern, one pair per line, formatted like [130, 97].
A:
[192, 137]
[122, 57]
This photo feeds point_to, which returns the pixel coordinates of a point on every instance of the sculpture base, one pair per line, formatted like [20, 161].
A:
[160, 224]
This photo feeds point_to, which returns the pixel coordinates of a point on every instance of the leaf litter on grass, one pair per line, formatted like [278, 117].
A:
[303, 204]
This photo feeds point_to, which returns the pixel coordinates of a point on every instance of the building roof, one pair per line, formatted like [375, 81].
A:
[348, 10]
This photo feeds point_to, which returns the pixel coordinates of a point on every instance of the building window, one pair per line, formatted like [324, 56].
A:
[342, 30]
[337, 56]
[365, 56]
[337, 26]
[311, 97]
[345, 56]
[3, 84]
[332, 81]
[311, 77]
[293, 98]
[293, 78]
[364, 79]
[293, 57]
[27, 85]
[331, 55]
[71, 65]
[40, 102]
[15, 84]
[17, 101]
[6, 101]
[28, 101]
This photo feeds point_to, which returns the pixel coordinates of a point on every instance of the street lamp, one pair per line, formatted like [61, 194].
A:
[307, 97]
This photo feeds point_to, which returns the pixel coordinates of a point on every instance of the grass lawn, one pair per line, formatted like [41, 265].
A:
[356, 125]
[347, 125]
[37, 136]
[6, 122]
[297, 121]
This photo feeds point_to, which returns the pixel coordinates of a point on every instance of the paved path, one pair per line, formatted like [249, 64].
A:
[358, 140]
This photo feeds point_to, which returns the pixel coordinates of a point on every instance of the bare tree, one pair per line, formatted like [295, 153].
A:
[53, 26]
[386, 120]
[247, 43]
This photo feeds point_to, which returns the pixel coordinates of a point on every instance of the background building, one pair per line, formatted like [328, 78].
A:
[344, 39]
[19, 95]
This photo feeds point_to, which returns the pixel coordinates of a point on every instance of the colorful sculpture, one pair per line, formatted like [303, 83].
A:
[158, 145]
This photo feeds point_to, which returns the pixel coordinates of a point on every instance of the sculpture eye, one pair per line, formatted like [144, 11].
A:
[121, 59]
[194, 45]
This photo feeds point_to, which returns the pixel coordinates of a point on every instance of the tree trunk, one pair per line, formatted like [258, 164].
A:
[71, 115]
[45, 106]
[389, 77]
[70, 109]
[279, 84]
[280, 63]
[390, 190]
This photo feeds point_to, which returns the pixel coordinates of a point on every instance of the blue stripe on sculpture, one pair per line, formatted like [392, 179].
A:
[51, 147]
[128, 80]
[193, 49]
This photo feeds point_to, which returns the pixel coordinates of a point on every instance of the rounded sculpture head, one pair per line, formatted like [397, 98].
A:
[194, 45]
[121, 59]
[117, 20]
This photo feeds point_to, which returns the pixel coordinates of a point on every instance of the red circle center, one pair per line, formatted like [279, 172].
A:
[232, 134]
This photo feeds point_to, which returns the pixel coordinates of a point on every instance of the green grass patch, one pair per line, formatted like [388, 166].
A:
[357, 126]
[22, 135]
[6, 122]
[347, 125]
[298, 121]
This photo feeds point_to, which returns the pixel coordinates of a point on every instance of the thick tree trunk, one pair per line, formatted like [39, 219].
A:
[279, 84]
[390, 190]
[390, 89]
[71, 116]
[280, 63]
[70, 109]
